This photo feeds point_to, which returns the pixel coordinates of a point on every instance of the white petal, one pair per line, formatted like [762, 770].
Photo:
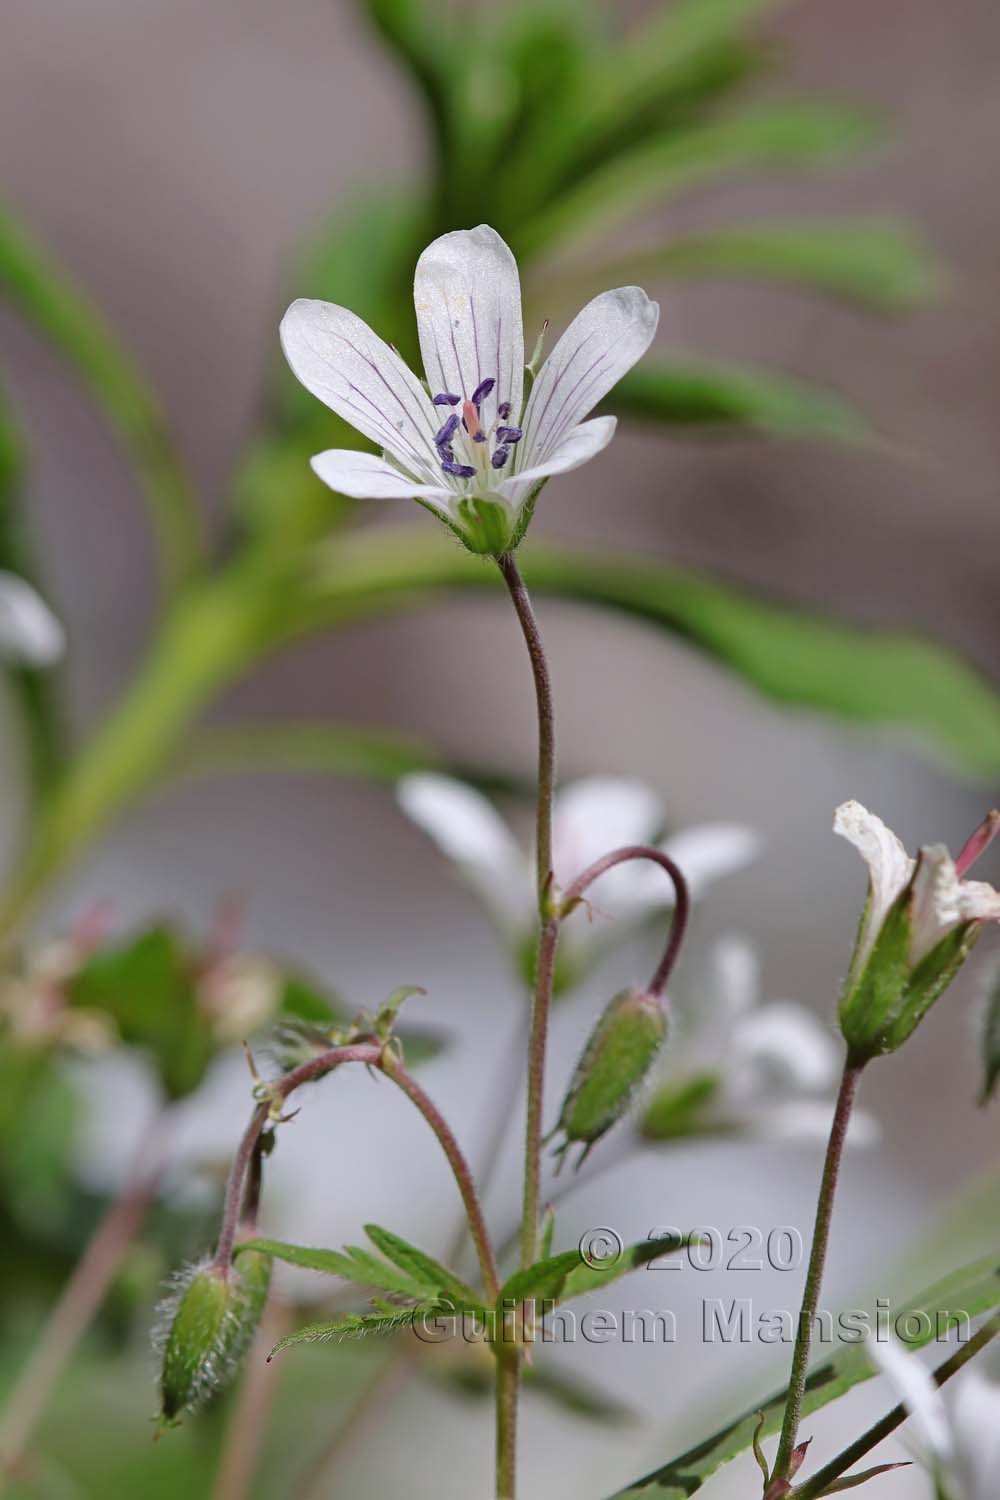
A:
[936, 903]
[976, 1423]
[806, 1122]
[728, 989]
[469, 830]
[709, 851]
[788, 1047]
[978, 902]
[591, 817]
[578, 447]
[601, 345]
[467, 296]
[29, 631]
[889, 865]
[343, 363]
[363, 476]
[914, 1387]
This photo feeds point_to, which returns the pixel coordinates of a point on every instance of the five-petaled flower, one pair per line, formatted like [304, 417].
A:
[957, 1434]
[919, 923]
[466, 445]
[590, 816]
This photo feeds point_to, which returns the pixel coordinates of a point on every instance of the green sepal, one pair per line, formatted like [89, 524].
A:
[875, 995]
[678, 1110]
[930, 979]
[485, 527]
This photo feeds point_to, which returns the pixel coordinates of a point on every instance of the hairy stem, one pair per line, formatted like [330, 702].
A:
[80, 1299]
[575, 892]
[817, 1262]
[886, 1425]
[508, 1372]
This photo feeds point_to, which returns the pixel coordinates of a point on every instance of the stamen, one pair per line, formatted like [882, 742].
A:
[500, 457]
[503, 410]
[470, 419]
[445, 399]
[460, 471]
[446, 432]
[482, 391]
[509, 434]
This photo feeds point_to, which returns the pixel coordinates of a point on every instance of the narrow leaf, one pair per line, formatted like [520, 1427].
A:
[43, 294]
[352, 1265]
[417, 1264]
[354, 1325]
[852, 1481]
[567, 1275]
[966, 1293]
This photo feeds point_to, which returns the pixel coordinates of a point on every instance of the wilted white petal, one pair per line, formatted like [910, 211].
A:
[579, 446]
[914, 1387]
[889, 865]
[806, 1122]
[709, 851]
[975, 1416]
[936, 908]
[788, 1047]
[467, 295]
[978, 902]
[29, 631]
[363, 476]
[468, 829]
[601, 345]
[341, 361]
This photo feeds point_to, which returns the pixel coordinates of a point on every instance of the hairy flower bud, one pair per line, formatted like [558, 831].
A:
[619, 1053]
[206, 1324]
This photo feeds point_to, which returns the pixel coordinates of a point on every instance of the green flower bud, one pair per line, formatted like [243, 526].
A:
[617, 1058]
[205, 1326]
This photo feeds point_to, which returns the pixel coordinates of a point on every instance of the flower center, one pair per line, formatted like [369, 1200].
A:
[480, 450]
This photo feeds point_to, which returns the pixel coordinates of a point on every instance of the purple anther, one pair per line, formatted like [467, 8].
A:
[478, 436]
[503, 410]
[460, 471]
[509, 434]
[446, 432]
[500, 457]
[482, 391]
[445, 399]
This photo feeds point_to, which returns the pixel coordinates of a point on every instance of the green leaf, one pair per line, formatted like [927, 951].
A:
[420, 1266]
[989, 1036]
[885, 680]
[148, 986]
[965, 1293]
[767, 136]
[43, 294]
[706, 395]
[878, 263]
[567, 1275]
[351, 1264]
[355, 1325]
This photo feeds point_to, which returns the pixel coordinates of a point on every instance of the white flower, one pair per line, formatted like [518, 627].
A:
[918, 926]
[736, 1064]
[958, 1431]
[942, 900]
[467, 437]
[590, 817]
[30, 634]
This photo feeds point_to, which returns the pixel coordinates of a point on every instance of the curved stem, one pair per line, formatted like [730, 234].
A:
[831, 1472]
[817, 1261]
[575, 892]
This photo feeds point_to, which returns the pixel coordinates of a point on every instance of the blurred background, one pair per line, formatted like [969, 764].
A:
[178, 161]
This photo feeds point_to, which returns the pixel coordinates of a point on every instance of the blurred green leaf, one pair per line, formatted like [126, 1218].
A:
[34, 688]
[43, 294]
[725, 398]
[767, 136]
[964, 1294]
[866, 676]
[989, 1036]
[568, 1275]
[148, 986]
[39, 1119]
[879, 264]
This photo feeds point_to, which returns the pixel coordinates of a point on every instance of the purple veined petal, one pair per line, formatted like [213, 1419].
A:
[467, 296]
[364, 476]
[578, 447]
[341, 361]
[602, 343]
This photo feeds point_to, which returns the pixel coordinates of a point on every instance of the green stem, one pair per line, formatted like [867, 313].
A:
[508, 1374]
[817, 1262]
[820, 1482]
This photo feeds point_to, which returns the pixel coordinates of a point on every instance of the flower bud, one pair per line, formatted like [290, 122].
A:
[619, 1053]
[207, 1323]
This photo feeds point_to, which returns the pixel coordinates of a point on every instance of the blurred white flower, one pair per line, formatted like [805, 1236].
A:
[590, 817]
[30, 634]
[957, 1431]
[464, 438]
[739, 1066]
